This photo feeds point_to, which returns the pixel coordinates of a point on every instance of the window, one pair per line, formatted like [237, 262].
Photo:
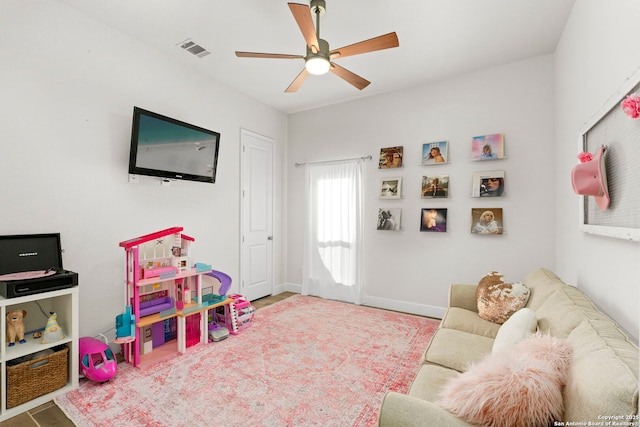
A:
[332, 257]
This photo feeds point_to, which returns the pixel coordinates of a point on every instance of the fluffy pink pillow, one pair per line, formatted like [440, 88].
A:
[520, 386]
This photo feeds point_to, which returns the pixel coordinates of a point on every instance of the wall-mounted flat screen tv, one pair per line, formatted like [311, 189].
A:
[172, 149]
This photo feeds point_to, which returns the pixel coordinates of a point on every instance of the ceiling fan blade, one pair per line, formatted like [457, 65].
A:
[377, 43]
[297, 82]
[267, 55]
[302, 15]
[349, 77]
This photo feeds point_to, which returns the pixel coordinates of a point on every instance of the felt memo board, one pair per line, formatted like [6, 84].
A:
[621, 134]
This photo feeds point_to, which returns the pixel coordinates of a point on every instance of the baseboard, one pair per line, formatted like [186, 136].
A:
[385, 303]
[287, 287]
[404, 306]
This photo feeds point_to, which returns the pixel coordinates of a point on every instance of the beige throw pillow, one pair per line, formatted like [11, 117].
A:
[519, 326]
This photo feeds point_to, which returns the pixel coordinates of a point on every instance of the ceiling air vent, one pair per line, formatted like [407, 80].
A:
[194, 48]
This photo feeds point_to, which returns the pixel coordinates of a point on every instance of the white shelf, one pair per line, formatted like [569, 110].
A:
[64, 303]
[32, 346]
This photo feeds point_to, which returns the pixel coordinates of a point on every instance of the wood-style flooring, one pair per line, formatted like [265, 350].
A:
[49, 415]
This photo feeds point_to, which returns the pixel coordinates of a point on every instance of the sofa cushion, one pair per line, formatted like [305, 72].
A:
[520, 386]
[519, 326]
[541, 283]
[560, 313]
[399, 410]
[584, 303]
[498, 300]
[468, 321]
[603, 377]
[430, 381]
[463, 296]
[457, 349]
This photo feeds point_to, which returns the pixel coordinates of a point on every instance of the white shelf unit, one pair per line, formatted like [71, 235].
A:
[64, 303]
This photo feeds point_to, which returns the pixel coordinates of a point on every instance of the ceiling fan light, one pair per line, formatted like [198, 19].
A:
[317, 65]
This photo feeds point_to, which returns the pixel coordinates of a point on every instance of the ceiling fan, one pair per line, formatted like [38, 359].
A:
[319, 58]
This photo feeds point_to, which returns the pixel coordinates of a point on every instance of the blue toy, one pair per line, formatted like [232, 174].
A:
[125, 326]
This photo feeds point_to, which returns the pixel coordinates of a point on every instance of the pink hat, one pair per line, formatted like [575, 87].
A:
[590, 179]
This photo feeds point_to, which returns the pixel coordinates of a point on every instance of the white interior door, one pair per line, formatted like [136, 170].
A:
[257, 215]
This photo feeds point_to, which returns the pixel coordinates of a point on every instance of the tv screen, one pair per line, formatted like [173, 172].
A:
[168, 148]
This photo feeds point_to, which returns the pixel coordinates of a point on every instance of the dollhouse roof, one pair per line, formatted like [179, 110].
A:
[157, 235]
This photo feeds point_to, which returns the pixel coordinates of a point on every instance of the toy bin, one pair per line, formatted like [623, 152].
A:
[34, 378]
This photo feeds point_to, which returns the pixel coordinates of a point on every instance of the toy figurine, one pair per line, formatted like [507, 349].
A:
[125, 327]
[15, 327]
[52, 332]
[97, 361]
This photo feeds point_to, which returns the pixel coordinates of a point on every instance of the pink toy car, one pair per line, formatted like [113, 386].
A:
[97, 361]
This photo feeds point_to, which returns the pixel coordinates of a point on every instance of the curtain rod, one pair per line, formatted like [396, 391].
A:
[369, 157]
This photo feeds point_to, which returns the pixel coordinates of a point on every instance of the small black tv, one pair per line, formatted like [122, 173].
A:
[172, 149]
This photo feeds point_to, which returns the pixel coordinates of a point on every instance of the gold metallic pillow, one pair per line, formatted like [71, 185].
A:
[498, 300]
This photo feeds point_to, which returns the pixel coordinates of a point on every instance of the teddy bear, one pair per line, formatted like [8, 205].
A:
[15, 327]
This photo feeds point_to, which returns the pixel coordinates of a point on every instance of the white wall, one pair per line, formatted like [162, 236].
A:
[411, 270]
[68, 85]
[597, 53]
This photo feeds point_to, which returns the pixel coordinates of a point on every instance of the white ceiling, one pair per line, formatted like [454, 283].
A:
[438, 38]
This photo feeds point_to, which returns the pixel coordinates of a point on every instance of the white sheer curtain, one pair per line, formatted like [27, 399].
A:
[332, 261]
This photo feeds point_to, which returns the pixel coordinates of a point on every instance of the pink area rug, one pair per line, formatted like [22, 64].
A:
[304, 361]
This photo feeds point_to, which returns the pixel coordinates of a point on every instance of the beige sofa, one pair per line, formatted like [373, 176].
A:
[603, 377]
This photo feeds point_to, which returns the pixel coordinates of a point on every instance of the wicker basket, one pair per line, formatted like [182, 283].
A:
[25, 382]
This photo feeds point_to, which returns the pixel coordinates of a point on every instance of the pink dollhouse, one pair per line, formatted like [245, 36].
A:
[163, 293]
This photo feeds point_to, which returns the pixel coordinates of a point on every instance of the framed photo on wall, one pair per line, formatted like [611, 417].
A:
[390, 157]
[486, 220]
[389, 219]
[390, 188]
[434, 153]
[488, 184]
[433, 220]
[487, 147]
[435, 187]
